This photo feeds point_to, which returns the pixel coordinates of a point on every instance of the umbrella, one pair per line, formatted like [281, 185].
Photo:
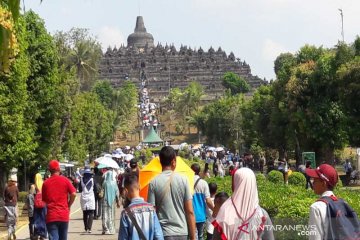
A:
[153, 168]
[101, 159]
[182, 146]
[108, 163]
[211, 149]
[117, 155]
[219, 149]
[128, 157]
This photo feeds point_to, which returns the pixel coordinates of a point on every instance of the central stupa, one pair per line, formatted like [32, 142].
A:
[140, 38]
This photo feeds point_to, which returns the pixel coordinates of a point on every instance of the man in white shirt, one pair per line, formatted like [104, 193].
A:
[324, 178]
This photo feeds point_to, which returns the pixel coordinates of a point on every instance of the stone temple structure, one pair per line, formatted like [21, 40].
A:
[167, 67]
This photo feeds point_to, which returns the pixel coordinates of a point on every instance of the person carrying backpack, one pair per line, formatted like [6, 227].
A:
[330, 216]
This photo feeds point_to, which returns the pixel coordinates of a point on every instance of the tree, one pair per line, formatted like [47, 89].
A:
[105, 93]
[90, 130]
[9, 47]
[42, 86]
[125, 107]
[17, 135]
[78, 48]
[235, 83]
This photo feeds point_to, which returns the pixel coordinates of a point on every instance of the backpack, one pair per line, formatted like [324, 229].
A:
[343, 221]
[38, 202]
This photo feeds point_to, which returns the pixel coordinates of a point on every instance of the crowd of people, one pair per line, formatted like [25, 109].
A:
[173, 209]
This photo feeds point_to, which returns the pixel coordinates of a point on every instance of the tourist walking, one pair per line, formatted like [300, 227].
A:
[87, 199]
[170, 193]
[99, 192]
[201, 201]
[139, 219]
[11, 195]
[59, 194]
[209, 212]
[330, 217]
[241, 216]
[40, 230]
[110, 200]
[30, 208]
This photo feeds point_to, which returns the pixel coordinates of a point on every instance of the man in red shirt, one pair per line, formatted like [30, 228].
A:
[59, 194]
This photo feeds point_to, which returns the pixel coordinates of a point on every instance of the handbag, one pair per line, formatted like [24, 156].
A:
[134, 222]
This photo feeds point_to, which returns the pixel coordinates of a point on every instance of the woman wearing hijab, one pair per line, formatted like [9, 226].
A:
[40, 230]
[87, 199]
[111, 197]
[241, 216]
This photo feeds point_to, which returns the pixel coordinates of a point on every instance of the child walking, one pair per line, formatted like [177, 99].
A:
[30, 208]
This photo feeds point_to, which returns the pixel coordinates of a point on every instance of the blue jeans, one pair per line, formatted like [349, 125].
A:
[200, 231]
[57, 230]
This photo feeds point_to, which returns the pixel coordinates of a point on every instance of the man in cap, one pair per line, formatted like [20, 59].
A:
[11, 195]
[59, 194]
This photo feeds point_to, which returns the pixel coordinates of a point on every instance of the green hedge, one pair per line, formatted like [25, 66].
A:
[297, 178]
[276, 176]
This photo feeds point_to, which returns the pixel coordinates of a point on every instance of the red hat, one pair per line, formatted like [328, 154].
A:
[326, 172]
[54, 165]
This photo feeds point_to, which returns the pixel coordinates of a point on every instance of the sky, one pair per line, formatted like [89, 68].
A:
[256, 31]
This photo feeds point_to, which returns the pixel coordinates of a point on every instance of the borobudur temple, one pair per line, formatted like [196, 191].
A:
[166, 67]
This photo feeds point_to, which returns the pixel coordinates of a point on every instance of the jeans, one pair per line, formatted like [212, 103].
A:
[57, 230]
[200, 231]
[98, 207]
[31, 226]
[88, 216]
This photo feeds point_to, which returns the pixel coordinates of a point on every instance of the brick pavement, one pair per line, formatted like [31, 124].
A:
[76, 226]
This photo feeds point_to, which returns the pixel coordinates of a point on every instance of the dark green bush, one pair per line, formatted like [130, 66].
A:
[297, 178]
[275, 176]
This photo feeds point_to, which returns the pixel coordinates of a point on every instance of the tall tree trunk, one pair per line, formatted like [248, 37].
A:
[297, 151]
[65, 125]
[3, 174]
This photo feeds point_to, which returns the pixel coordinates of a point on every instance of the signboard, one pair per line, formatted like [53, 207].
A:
[309, 156]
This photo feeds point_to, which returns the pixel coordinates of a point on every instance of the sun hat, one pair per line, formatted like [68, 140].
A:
[325, 172]
[13, 178]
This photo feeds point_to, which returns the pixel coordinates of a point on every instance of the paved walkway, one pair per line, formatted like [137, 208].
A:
[76, 226]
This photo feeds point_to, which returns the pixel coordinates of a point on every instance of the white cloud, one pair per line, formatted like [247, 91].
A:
[110, 36]
[272, 49]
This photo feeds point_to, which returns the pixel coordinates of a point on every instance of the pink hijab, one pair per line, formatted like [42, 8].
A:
[240, 217]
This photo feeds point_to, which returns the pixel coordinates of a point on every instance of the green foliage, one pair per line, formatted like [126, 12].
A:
[220, 121]
[17, 134]
[275, 176]
[91, 128]
[77, 48]
[297, 178]
[105, 93]
[179, 128]
[125, 107]
[260, 178]
[235, 83]
[43, 84]
[22, 197]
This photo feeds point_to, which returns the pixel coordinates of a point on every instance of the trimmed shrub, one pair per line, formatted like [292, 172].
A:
[297, 178]
[276, 176]
[260, 178]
